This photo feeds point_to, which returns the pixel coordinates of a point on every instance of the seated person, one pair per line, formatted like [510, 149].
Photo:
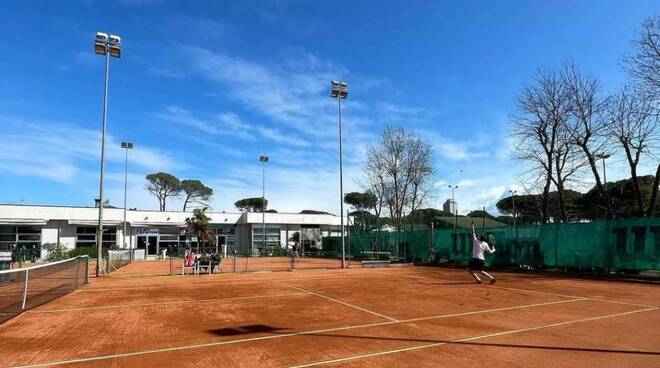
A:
[188, 258]
[215, 260]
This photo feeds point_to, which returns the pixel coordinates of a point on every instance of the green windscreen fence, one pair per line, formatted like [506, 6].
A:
[631, 244]
[395, 246]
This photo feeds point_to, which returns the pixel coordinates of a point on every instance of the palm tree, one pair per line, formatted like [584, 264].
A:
[199, 225]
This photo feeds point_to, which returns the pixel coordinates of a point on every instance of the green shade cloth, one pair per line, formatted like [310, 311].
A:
[629, 244]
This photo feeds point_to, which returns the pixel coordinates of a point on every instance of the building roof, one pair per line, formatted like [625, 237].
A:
[36, 214]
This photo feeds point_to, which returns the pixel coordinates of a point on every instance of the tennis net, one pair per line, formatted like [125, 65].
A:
[26, 288]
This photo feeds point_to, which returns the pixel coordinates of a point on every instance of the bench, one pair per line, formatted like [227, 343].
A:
[197, 266]
[192, 268]
[372, 255]
[376, 264]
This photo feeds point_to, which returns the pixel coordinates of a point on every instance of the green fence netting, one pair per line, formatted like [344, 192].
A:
[395, 246]
[631, 244]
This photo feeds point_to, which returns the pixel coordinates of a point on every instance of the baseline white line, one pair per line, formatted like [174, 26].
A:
[537, 292]
[336, 301]
[283, 335]
[575, 296]
[232, 280]
[426, 346]
[162, 303]
[550, 294]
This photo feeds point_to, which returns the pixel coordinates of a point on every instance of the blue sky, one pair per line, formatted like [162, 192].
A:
[204, 88]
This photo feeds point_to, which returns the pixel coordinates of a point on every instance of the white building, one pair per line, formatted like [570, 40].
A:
[43, 228]
[449, 206]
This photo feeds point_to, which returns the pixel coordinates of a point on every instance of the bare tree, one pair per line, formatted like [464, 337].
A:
[400, 167]
[586, 121]
[543, 110]
[644, 64]
[567, 161]
[633, 121]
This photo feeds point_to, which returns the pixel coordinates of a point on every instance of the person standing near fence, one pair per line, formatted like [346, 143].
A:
[294, 252]
[479, 246]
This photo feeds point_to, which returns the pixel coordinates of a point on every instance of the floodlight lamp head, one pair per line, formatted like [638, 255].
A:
[100, 43]
[101, 37]
[115, 50]
[339, 89]
[263, 158]
[127, 145]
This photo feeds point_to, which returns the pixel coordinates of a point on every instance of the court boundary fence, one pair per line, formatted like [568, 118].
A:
[622, 245]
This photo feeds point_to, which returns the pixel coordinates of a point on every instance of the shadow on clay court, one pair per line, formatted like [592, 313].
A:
[484, 344]
[245, 330]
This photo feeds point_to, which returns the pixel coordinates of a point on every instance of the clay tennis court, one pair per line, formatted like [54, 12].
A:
[390, 317]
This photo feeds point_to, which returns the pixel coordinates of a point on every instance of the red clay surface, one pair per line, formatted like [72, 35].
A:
[395, 317]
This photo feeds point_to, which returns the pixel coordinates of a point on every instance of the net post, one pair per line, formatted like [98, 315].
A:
[25, 288]
[76, 280]
[86, 270]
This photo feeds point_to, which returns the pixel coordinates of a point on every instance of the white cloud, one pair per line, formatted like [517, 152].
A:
[165, 72]
[467, 183]
[231, 124]
[179, 115]
[49, 150]
[294, 93]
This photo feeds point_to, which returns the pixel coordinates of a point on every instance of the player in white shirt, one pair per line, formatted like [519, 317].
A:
[479, 246]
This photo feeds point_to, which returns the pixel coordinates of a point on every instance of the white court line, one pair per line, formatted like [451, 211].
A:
[216, 282]
[548, 293]
[283, 335]
[336, 301]
[426, 346]
[575, 296]
[163, 303]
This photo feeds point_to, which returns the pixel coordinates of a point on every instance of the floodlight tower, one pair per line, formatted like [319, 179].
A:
[263, 160]
[607, 192]
[107, 46]
[126, 146]
[340, 92]
[515, 225]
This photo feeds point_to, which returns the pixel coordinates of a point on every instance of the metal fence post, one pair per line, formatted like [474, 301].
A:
[25, 288]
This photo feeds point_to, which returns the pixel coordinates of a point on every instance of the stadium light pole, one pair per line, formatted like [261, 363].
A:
[513, 199]
[106, 46]
[263, 160]
[515, 224]
[126, 146]
[607, 192]
[339, 90]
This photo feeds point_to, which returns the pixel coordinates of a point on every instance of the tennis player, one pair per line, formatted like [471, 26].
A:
[479, 246]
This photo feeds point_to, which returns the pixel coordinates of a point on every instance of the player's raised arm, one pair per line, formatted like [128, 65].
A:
[474, 232]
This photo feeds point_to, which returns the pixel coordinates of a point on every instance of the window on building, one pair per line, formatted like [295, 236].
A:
[86, 236]
[272, 236]
[22, 241]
